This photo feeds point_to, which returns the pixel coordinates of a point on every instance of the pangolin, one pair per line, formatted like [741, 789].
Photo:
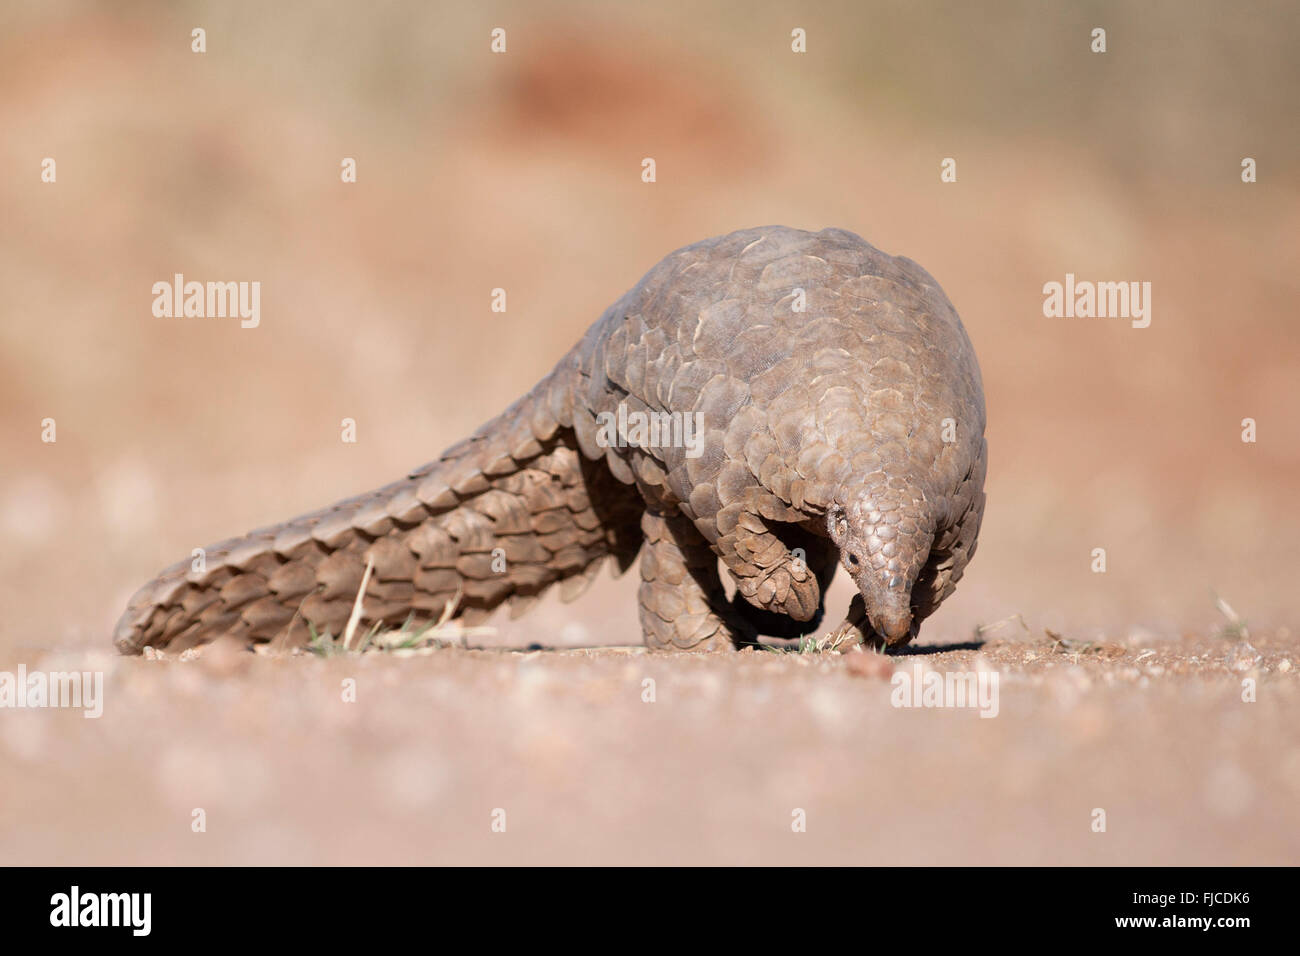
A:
[778, 399]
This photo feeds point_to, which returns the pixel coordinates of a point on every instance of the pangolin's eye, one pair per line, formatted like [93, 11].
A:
[853, 559]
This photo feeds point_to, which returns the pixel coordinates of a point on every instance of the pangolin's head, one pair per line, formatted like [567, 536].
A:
[884, 540]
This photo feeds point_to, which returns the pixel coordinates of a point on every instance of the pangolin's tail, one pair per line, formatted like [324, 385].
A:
[500, 516]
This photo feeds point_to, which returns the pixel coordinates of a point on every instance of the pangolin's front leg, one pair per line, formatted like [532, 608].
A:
[794, 575]
[683, 604]
[780, 578]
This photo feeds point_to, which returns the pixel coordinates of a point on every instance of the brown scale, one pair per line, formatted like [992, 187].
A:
[849, 433]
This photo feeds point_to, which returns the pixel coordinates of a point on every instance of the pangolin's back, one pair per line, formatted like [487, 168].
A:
[811, 358]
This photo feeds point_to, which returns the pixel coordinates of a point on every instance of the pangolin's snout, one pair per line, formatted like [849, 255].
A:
[889, 607]
[894, 626]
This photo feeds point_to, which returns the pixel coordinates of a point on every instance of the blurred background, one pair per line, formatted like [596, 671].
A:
[522, 171]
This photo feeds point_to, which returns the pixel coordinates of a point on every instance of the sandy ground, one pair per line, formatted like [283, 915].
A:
[523, 172]
[618, 756]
